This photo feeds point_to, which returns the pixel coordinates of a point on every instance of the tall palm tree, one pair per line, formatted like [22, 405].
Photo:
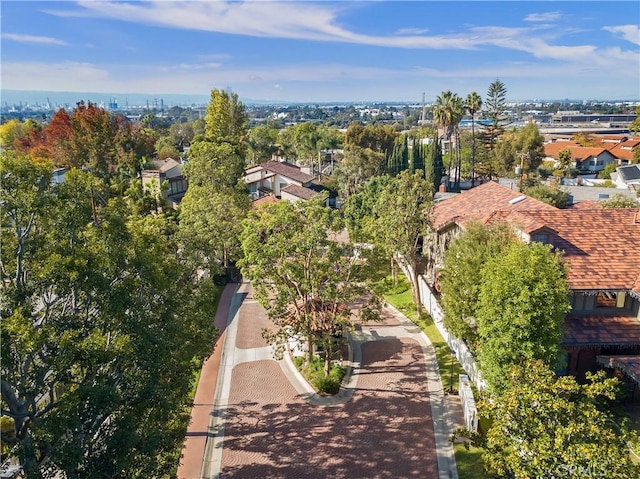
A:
[473, 103]
[457, 114]
[448, 111]
[442, 117]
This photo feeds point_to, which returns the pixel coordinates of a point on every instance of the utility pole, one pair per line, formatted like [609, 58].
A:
[423, 115]
[520, 170]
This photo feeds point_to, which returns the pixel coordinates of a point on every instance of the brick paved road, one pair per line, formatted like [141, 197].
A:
[384, 431]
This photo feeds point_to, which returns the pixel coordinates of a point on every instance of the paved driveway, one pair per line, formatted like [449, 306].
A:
[263, 427]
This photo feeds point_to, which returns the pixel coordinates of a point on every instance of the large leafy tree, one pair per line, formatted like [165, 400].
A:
[520, 148]
[359, 210]
[262, 142]
[403, 218]
[548, 426]
[379, 138]
[461, 276]
[216, 200]
[305, 280]
[358, 166]
[100, 326]
[226, 119]
[523, 301]
[211, 223]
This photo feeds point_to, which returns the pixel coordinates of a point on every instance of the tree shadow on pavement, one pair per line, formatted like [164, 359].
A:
[384, 431]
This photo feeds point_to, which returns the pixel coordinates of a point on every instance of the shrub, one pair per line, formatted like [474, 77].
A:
[608, 169]
[620, 201]
[549, 195]
[314, 373]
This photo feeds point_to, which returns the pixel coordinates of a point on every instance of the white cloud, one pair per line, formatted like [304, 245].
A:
[543, 17]
[319, 22]
[33, 39]
[630, 33]
[412, 31]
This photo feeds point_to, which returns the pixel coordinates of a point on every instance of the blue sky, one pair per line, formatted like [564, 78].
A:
[324, 51]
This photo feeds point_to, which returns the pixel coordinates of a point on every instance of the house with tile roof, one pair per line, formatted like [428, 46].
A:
[280, 179]
[602, 253]
[624, 151]
[481, 203]
[586, 159]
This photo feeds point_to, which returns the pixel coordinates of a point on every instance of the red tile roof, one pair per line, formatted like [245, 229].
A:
[629, 364]
[624, 151]
[602, 246]
[587, 331]
[585, 205]
[552, 149]
[482, 203]
[264, 201]
[578, 153]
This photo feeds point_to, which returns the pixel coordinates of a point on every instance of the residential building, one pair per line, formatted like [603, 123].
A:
[601, 248]
[585, 159]
[280, 179]
[166, 179]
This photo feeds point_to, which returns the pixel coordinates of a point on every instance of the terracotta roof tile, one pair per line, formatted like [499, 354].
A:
[585, 205]
[601, 331]
[578, 153]
[629, 364]
[552, 149]
[624, 151]
[602, 246]
[482, 203]
[264, 201]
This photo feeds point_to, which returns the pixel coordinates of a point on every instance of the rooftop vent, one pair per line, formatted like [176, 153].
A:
[517, 199]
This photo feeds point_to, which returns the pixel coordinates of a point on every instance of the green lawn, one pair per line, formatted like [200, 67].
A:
[469, 461]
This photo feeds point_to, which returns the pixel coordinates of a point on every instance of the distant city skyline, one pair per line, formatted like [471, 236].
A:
[323, 52]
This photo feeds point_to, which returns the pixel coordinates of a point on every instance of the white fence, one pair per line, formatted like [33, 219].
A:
[468, 403]
[459, 348]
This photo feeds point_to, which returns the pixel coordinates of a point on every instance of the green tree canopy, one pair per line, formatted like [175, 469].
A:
[217, 199]
[262, 143]
[565, 162]
[360, 209]
[495, 110]
[358, 166]
[225, 120]
[545, 426]
[523, 301]
[305, 280]
[549, 195]
[403, 218]
[461, 277]
[101, 323]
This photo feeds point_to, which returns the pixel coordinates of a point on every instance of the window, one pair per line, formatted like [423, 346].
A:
[540, 237]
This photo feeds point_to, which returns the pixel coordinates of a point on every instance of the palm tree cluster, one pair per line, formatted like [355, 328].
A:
[449, 109]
